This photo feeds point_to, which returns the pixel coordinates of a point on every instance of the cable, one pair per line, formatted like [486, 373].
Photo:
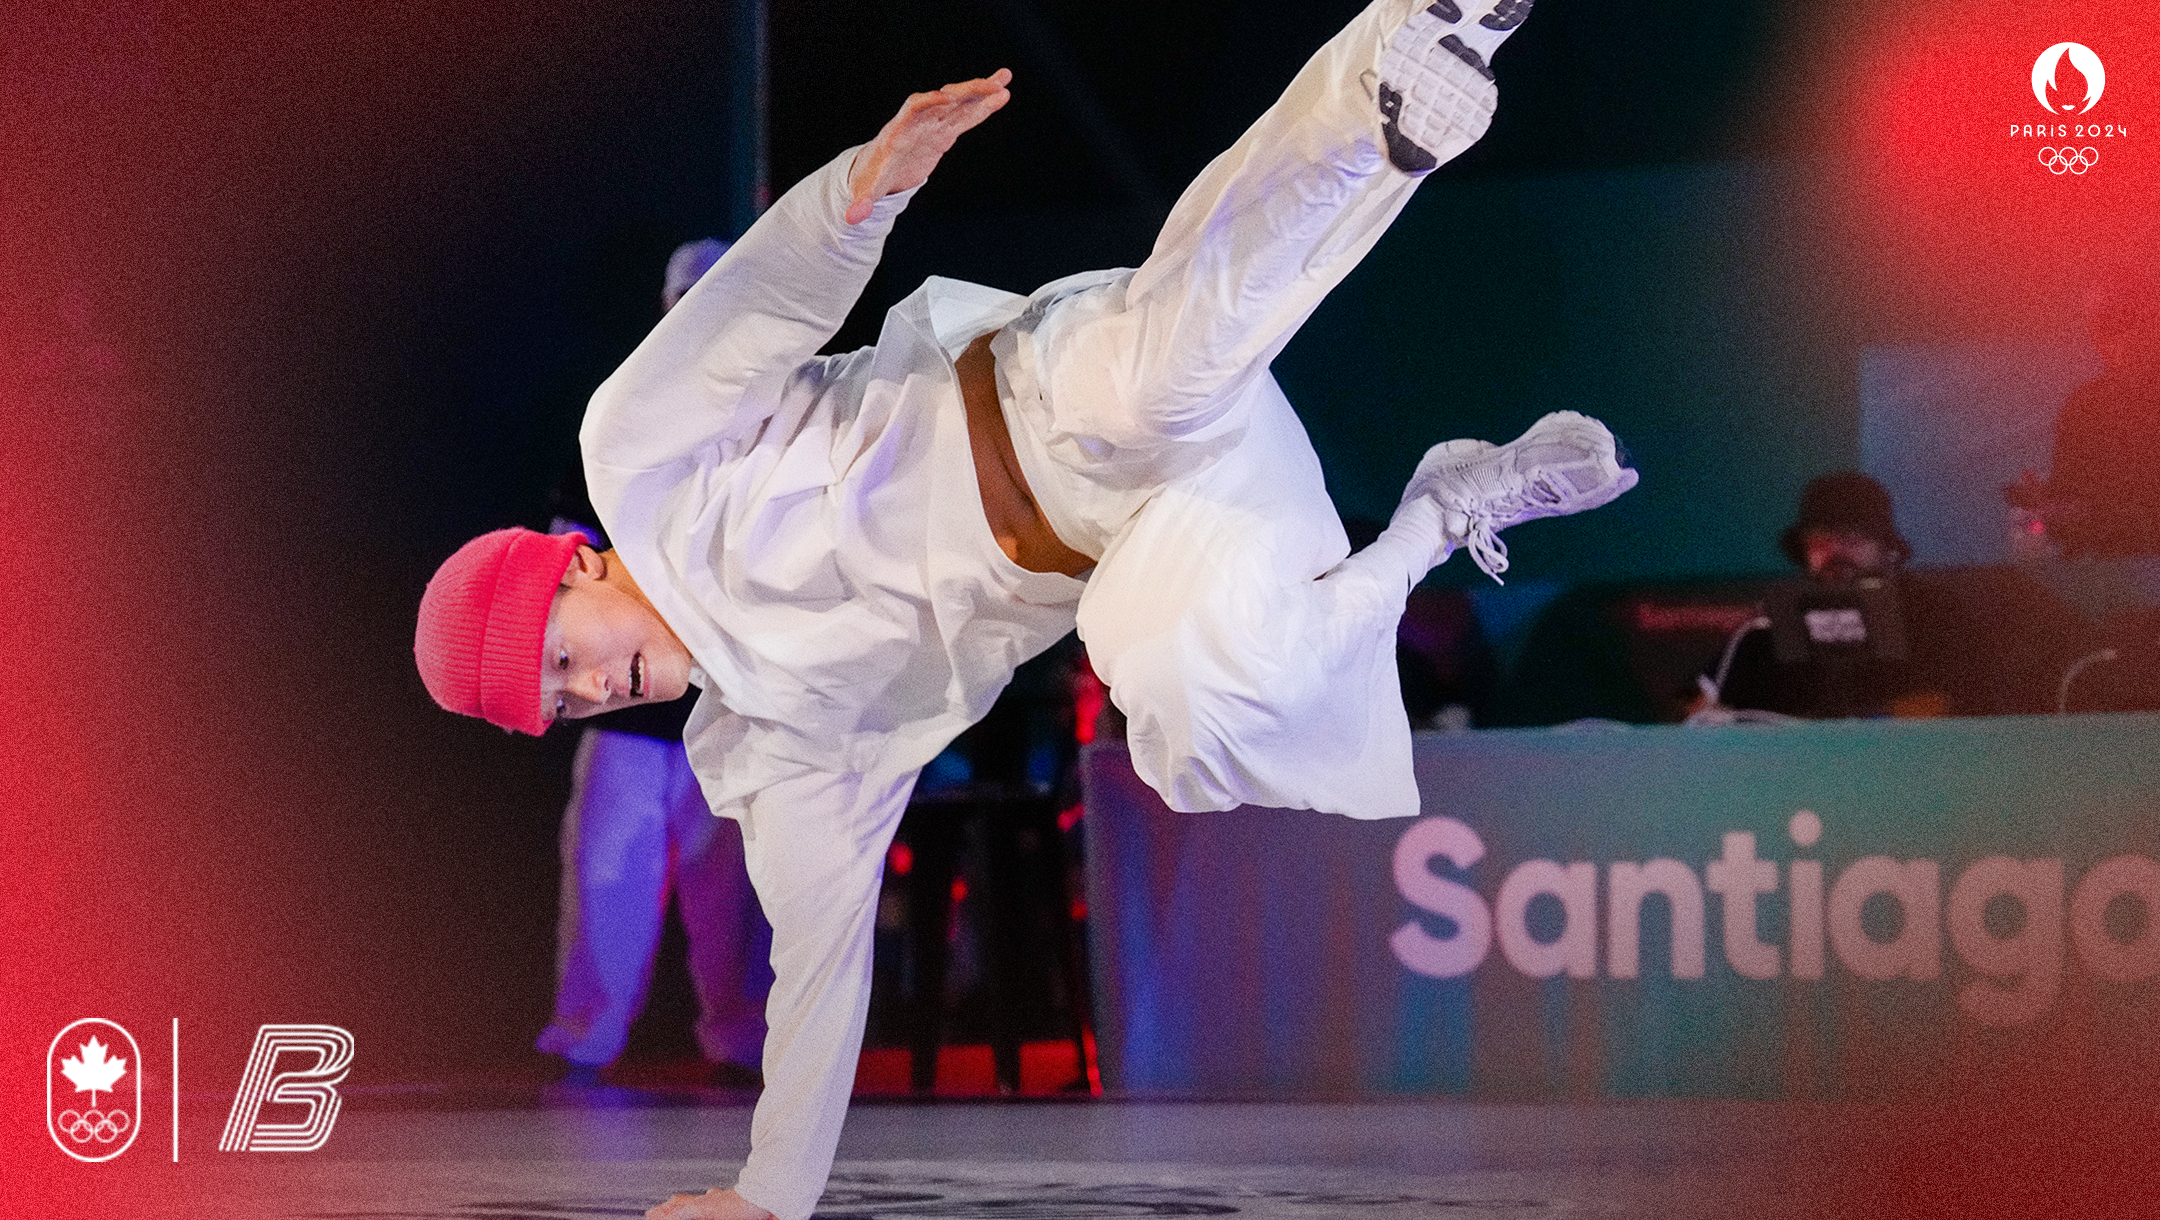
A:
[2062, 690]
[1760, 622]
[1713, 710]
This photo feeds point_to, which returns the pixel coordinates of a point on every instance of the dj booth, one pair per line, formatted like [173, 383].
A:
[1837, 911]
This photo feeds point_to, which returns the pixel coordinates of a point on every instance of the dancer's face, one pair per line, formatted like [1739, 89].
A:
[605, 646]
[1843, 555]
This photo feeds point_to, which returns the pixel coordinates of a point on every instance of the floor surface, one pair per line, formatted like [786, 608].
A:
[578, 1153]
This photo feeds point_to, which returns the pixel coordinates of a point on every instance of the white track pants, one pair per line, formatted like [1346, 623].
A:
[1250, 666]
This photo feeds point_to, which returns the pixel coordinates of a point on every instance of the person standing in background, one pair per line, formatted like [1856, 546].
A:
[2101, 499]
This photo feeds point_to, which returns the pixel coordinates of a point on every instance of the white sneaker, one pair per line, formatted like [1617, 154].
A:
[1435, 90]
[1565, 463]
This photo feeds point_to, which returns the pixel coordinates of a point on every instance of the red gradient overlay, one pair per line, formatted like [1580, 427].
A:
[94, 754]
[1946, 226]
[1950, 220]
[131, 893]
[208, 809]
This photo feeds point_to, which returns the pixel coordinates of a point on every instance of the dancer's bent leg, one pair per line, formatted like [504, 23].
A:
[1244, 676]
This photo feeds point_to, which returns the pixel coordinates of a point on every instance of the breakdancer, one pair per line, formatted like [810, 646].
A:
[850, 554]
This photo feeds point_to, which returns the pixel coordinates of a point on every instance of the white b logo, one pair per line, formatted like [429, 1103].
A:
[2081, 58]
[314, 1087]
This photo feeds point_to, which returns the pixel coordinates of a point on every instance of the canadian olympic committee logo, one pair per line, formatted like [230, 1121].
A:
[98, 1058]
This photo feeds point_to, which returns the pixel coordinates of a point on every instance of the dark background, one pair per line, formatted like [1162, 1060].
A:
[297, 298]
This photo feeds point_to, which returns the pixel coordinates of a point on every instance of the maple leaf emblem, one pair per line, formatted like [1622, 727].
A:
[92, 1071]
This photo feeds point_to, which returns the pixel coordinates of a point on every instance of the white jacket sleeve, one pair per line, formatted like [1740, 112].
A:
[815, 845]
[713, 366]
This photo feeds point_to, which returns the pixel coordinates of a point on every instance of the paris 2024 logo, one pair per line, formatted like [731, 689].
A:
[2058, 94]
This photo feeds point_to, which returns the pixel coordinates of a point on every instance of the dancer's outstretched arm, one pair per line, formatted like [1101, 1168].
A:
[911, 144]
[815, 848]
[776, 297]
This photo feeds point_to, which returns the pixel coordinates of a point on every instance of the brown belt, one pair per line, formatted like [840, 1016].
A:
[1016, 521]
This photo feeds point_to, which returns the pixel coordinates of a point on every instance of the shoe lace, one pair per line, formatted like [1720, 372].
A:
[1481, 537]
[1486, 549]
[1542, 489]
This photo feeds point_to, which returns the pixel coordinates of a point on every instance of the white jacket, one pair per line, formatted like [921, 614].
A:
[811, 528]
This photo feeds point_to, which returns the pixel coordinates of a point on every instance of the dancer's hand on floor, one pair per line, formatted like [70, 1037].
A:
[904, 153]
[714, 1204]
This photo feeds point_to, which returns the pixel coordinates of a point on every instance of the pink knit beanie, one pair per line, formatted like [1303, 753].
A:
[483, 622]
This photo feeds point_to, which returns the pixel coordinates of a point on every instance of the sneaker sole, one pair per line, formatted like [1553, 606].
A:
[1436, 94]
[1576, 429]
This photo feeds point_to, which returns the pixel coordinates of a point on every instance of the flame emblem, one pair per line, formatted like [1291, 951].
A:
[2081, 58]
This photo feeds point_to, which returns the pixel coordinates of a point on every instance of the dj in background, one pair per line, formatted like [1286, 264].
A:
[1845, 534]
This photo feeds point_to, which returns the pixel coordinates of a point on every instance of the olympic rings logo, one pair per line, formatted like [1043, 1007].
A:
[100, 1125]
[2068, 160]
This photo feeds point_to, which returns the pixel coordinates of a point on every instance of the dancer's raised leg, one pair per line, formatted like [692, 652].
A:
[1274, 223]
